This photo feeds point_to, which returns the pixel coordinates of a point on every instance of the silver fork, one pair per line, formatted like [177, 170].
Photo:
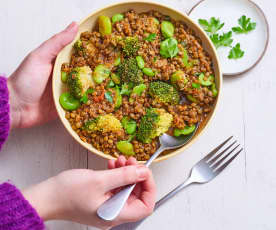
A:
[203, 171]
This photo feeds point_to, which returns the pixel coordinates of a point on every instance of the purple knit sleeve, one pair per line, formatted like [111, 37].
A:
[15, 211]
[4, 111]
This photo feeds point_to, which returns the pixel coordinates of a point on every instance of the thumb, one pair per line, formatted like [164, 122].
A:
[119, 177]
[50, 48]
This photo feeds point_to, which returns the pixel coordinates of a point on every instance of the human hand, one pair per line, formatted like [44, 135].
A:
[31, 101]
[75, 195]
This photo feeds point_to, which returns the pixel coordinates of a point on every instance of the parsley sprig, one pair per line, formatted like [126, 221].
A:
[245, 25]
[222, 40]
[236, 52]
[212, 26]
[151, 37]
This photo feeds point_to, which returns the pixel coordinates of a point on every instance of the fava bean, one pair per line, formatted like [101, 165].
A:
[68, 102]
[117, 61]
[125, 147]
[177, 76]
[117, 18]
[167, 29]
[149, 72]
[64, 77]
[119, 98]
[101, 72]
[140, 62]
[105, 26]
[207, 82]
[186, 131]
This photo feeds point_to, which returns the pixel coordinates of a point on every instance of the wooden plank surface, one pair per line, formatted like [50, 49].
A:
[243, 197]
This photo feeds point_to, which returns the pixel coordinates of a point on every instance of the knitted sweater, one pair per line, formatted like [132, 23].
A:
[15, 211]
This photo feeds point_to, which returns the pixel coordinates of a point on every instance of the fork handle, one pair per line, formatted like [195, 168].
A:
[172, 193]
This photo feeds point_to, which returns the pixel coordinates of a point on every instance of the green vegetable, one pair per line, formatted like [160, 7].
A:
[115, 78]
[149, 72]
[129, 125]
[84, 98]
[68, 102]
[211, 27]
[164, 92]
[140, 62]
[196, 85]
[186, 131]
[117, 61]
[90, 125]
[178, 76]
[79, 80]
[78, 45]
[129, 71]
[105, 26]
[245, 25]
[168, 48]
[151, 37]
[156, 21]
[126, 89]
[108, 96]
[236, 52]
[110, 84]
[131, 45]
[137, 90]
[222, 40]
[64, 77]
[207, 82]
[125, 147]
[191, 98]
[214, 90]
[101, 72]
[153, 124]
[118, 96]
[117, 18]
[167, 29]
[185, 59]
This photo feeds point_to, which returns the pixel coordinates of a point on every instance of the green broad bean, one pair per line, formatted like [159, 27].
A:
[68, 102]
[186, 131]
[125, 147]
[117, 18]
[140, 62]
[129, 125]
[203, 82]
[118, 98]
[64, 76]
[191, 98]
[167, 29]
[139, 89]
[117, 61]
[101, 72]
[156, 21]
[214, 90]
[149, 72]
[177, 76]
[105, 26]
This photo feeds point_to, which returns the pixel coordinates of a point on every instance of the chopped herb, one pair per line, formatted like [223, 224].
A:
[196, 85]
[236, 52]
[151, 37]
[222, 40]
[211, 27]
[155, 59]
[84, 98]
[110, 84]
[169, 48]
[126, 89]
[245, 25]
[108, 96]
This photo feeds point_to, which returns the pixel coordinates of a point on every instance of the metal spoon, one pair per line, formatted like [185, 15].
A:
[111, 208]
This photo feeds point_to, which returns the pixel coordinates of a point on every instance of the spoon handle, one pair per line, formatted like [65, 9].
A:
[112, 207]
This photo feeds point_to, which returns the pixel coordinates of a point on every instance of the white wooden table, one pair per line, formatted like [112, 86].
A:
[243, 197]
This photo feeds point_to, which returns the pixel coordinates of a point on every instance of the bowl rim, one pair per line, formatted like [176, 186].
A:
[214, 56]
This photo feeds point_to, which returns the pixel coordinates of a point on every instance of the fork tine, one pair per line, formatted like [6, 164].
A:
[217, 164]
[216, 149]
[219, 155]
[228, 162]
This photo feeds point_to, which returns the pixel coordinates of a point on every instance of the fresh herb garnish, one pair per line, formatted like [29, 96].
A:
[211, 27]
[108, 96]
[245, 25]
[222, 40]
[236, 52]
[196, 85]
[84, 98]
[151, 37]
[168, 48]
[126, 89]
[110, 84]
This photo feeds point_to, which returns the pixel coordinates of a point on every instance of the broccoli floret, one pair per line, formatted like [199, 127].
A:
[104, 123]
[131, 46]
[164, 92]
[80, 80]
[153, 124]
[78, 45]
[129, 71]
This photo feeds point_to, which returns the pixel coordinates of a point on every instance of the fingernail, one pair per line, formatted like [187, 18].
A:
[142, 172]
[70, 26]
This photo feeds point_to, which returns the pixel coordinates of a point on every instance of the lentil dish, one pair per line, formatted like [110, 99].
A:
[134, 77]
